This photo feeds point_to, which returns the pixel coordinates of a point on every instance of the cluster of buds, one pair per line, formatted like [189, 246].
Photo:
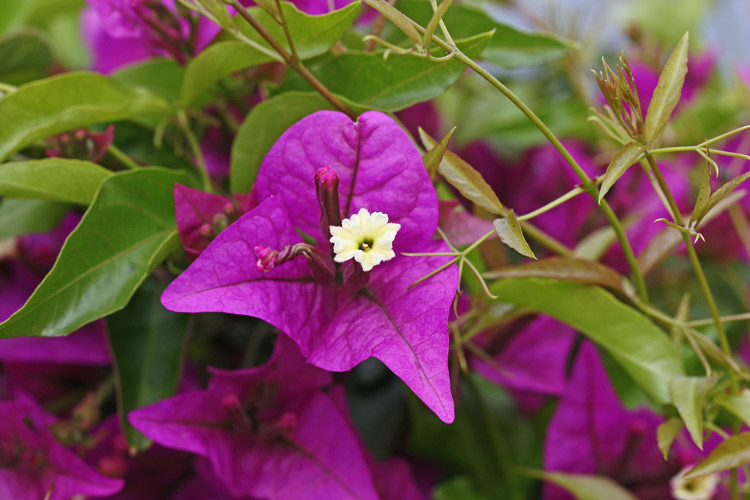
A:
[81, 144]
[164, 28]
[220, 222]
[618, 88]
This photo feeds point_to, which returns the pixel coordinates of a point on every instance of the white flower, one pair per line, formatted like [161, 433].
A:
[699, 488]
[7, 247]
[366, 237]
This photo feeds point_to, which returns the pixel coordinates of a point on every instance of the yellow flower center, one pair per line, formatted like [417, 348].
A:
[365, 237]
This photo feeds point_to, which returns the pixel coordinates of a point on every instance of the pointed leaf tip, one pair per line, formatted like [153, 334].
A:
[510, 232]
[667, 92]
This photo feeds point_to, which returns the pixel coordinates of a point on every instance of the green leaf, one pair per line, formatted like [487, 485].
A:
[434, 155]
[509, 230]
[127, 231]
[367, 81]
[55, 179]
[312, 35]
[621, 161]
[509, 47]
[30, 216]
[704, 194]
[63, 102]
[703, 207]
[643, 350]
[465, 178]
[260, 130]
[216, 62]
[163, 77]
[218, 9]
[587, 487]
[666, 433]
[12, 12]
[563, 269]
[731, 453]
[689, 396]
[24, 56]
[148, 347]
[667, 92]
[738, 404]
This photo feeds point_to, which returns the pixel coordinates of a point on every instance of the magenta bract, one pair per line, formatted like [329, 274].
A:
[380, 170]
[268, 431]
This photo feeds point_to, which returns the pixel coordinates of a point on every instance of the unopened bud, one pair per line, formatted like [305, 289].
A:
[220, 223]
[235, 412]
[288, 421]
[327, 190]
[206, 232]
[230, 210]
[266, 258]
[113, 466]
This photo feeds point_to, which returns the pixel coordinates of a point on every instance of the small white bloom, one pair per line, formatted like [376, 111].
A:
[699, 488]
[7, 247]
[366, 237]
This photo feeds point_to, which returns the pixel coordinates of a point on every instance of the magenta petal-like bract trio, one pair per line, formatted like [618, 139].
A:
[379, 170]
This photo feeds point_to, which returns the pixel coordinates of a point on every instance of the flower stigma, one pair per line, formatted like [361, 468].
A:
[699, 488]
[366, 237]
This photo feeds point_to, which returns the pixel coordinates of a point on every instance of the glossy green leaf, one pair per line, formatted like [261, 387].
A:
[260, 130]
[509, 47]
[667, 92]
[24, 56]
[642, 349]
[563, 269]
[216, 62]
[55, 179]
[434, 155]
[163, 77]
[458, 488]
[738, 404]
[621, 161]
[465, 178]
[368, 81]
[729, 454]
[587, 487]
[666, 433]
[127, 231]
[312, 35]
[689, 396]
[148, 347]
[702, 207]
[63, 102]
[509, 230]
[30, 216]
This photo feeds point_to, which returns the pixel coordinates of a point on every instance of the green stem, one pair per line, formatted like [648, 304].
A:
[695, 262]
[123, 158]
[588, 185]
[195, 147]
[556, 202]
[724, 319]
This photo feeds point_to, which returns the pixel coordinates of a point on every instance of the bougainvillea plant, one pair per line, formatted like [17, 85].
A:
[374, 250]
